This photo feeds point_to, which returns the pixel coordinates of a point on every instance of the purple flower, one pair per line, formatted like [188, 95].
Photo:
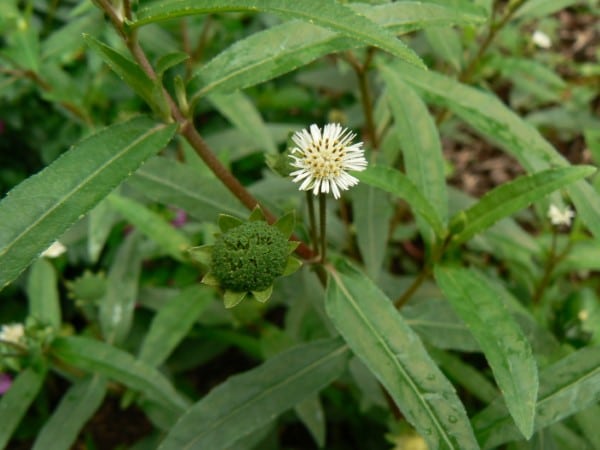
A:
[5, 382]
[180, 218]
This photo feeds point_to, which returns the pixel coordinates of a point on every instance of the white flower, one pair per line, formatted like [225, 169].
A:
[541, 39]
[558, 217]
[323, 159]
[12, 333]
[55, 250]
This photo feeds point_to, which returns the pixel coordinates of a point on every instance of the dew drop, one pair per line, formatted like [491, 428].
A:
[452, 419]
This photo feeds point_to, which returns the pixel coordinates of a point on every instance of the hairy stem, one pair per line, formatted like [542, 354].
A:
[323, 225]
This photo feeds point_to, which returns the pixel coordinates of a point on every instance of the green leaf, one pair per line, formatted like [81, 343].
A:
[398, 184]
[246, 402]
[152, 225]
[173, 183]
[437, 324]
[488, 115]
[132, 74]
[325, 13]
[45, 205]
[76, 407]
[100, 222]
[511, 197]
[232, 298]
[15, 403]
[23, 46]
[117, 305]
[42, 293]
[283, 48]
[568, 386]
[310, 411]
[446, 44]
[505, 347]
[170, 60]
[372, 226]
[420, 143]
[242, 113]
[540, 8]
[379, 336]
[103, 359]
[172, 323]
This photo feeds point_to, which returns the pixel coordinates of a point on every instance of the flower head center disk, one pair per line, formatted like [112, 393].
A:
[325, 158]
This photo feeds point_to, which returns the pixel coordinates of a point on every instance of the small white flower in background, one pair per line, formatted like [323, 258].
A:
[14, 333]
[54, 251]
[323, 159]
[541, 39]
[558, 217]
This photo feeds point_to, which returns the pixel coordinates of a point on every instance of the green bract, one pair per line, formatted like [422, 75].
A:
[249, 257]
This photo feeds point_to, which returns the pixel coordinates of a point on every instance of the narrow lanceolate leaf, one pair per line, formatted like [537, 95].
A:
[42, 294]
[504, 344]
[325, 13]
[15, 403]
[173, 322]
[242, 113]
[99, 358]
[76, 407]
[372, 226]
[245, 403]
[280, 49]
[172, 183]
[420, 143]
[510, 197]
[132, 74]
[45, 205]
[378, 335]
[117, 305]
[152, 225]
[566, 387]
[395, 182]
[488, 115]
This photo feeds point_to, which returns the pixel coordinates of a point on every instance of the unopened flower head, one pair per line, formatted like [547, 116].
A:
[323, 159]
[558, 217]
[13, 333]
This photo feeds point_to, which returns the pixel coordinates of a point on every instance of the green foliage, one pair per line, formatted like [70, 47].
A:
[441, 303]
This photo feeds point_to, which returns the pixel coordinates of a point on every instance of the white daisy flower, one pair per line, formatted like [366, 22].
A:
[541, 39]
[323, 159]
[12, 333]
[558, 217]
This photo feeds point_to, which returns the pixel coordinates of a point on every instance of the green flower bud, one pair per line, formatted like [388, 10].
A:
[249, 257]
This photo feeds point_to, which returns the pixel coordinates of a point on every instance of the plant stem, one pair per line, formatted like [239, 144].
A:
[366, 99]
[553, 259]
[323, 225]
[415, 285]
[310, 202]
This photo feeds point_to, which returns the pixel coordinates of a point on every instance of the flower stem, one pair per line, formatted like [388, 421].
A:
[310, 202]
[323, 225]
[416, 284]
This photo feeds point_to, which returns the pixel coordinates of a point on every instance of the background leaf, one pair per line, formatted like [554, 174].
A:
[99, 358]
[15, 403]
[41, 208]
[566, 387]
[248, 401]
[173, 183]
[117, 305]
[76, 407]
[504, 345]
[173, 322]
[420, 143]
[152, 225]
[396, 183]
[282, 48]
[325, 13]
[378, 335]
[512, 196]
